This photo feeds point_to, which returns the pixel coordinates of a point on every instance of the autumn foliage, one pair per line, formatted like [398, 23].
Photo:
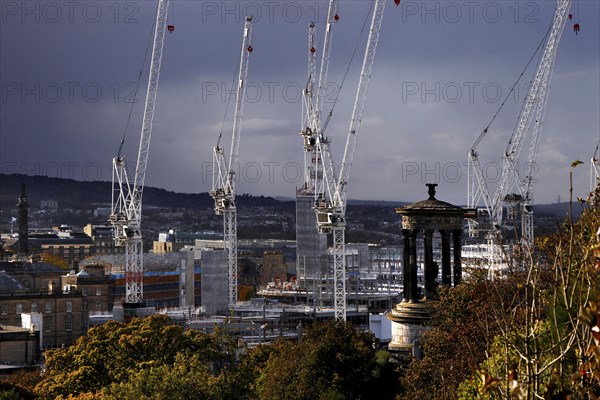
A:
[152, 358]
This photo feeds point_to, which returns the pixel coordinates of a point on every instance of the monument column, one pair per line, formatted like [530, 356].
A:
[406, 265]
[456, 234]
[414, 293]
[430, 272]
[446, 271]
[411, 317]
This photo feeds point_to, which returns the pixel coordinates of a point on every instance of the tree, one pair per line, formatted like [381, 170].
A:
[333, 361]
[548, 350]
[119, 352]
[11, 391]
[22, 382]
[526, 335]
[463, 327]
[188, 378]
[55, 260]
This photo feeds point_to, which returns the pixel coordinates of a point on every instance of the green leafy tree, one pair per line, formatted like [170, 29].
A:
[463, 327]
[333, 361]
[113, 352]
[526, 335]
[188, 378]
[551, 339]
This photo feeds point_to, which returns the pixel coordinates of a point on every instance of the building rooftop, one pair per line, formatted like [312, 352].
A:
[8, 283]
[152, 261]
[430, 205]
[39, 267]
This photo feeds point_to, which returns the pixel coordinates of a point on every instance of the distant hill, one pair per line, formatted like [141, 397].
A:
[557, 210]
[377, 203]
[79, 194]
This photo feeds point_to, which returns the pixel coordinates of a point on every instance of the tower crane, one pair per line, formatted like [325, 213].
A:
[308, 130]
[223, 182]
[514, 193]
[309, 143]
[126, 212]
[313, 102]
[308, 239]
[330, 201]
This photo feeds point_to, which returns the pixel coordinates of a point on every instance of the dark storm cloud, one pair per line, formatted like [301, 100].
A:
[69, 69]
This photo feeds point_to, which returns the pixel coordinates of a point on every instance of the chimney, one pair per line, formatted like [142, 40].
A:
[23, 221]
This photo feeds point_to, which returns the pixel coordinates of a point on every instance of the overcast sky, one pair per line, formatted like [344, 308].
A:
[68, 70]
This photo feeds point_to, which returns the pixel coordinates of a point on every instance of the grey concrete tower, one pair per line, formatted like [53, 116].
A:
[311, 251]
[23, 221]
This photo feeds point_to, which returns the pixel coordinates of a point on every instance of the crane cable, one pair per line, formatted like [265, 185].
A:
[173, 13]
[512, 89]
[134, 101]
[227, 106]
[330, 114]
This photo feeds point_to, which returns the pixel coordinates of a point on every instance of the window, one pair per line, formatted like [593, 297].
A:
[68, 323]
[33, 307]
[48, 308]
[98, 292]
[84, 292]
[69, 306]
[19, 308]
[3, 309]
[48, 322]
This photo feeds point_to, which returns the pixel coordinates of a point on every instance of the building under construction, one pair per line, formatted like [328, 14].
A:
[311, 246]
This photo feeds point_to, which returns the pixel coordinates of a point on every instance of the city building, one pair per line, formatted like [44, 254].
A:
[33, 275]
[173, 240]
[103, 238]
[62, 315]
[50, 205]
[170, 279]
[19, 347]
[23, 205]
[72, 247]
[312, 262]
[94, 287]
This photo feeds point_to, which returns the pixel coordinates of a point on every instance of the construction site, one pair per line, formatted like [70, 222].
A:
[331, 278]
[263, 289]
[340, 282]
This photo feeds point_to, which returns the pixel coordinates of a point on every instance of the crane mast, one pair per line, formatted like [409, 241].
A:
[308, 132]
[314, 101]
[330, 204]
[309, 129]
[532, 113]
[126, 213]
[332, 16]
[223, 191]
